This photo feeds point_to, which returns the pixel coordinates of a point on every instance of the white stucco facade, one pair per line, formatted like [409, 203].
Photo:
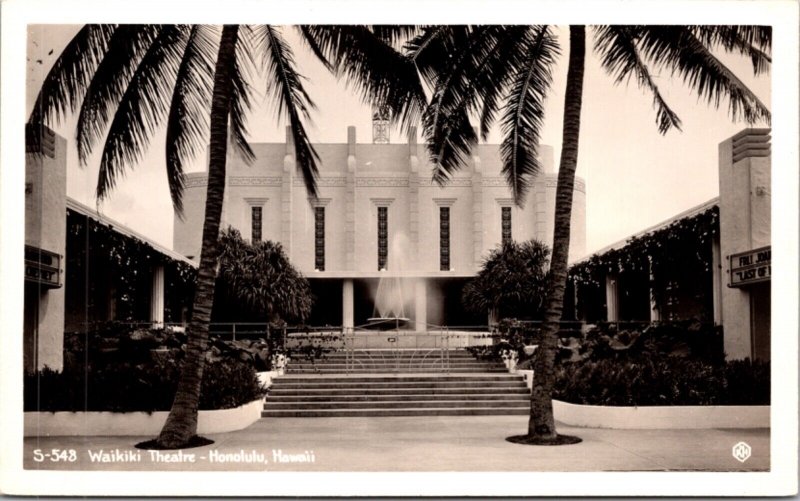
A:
[45, 237]
[355, 181]
[745, 212]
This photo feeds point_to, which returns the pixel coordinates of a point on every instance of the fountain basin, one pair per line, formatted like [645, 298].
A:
[387, 323]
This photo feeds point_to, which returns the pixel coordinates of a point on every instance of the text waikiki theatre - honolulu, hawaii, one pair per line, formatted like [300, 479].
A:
[378, 214]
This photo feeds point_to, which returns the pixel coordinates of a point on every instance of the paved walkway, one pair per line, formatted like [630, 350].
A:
[442, 443]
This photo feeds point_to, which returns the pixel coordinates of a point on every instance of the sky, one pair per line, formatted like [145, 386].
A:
[635, 177]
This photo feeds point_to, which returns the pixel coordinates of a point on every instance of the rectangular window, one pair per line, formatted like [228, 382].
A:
[255, 224]
[506, 224]
[383, 237]
[319, 238]
[444, 238]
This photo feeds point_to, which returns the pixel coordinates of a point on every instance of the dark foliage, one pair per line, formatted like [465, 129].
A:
[511, 281]
[260, 276]
[137, 387]
[647, 381]
[679, 363]
[677, 260]
[115, 367]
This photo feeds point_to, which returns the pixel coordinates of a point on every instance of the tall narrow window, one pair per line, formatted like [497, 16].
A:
[255, 224]
[319, 238]
[444, 238]
[383, 237]
[505, 222]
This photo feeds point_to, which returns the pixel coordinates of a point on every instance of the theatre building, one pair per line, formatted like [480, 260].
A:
[379, 215]
[710, 264]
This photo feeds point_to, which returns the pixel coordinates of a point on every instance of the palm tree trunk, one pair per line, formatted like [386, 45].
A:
[181, 424]
[541, 423]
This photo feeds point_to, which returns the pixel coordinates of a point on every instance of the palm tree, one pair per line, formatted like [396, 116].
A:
[625, 52]
[126, 79]
[510, 282]
[260, 277]
[486, 71]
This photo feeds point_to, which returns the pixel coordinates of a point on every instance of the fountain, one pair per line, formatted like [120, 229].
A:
[389, 312]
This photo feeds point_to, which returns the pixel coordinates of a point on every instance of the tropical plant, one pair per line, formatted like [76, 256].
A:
[510, 282]
[486, 71]
[126, 80]
[260, 275]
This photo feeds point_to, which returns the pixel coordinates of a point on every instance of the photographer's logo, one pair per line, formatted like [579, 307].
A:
[741, 452]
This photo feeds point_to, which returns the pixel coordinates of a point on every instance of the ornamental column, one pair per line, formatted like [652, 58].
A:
[157, 297]
[350, 202]
[287, 180]
[612, 303]
[347, 304]
[655, 315]
[413, 198]
[420, 306]
[477, 211]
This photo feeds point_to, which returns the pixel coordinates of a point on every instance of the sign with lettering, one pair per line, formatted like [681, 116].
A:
[751, 267]
[42, 267]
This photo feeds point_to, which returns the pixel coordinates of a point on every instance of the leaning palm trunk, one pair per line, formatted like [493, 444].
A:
[542, 423]
[181, 424]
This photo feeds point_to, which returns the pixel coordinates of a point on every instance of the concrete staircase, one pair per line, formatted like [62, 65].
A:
[395, 361]
[396, 383]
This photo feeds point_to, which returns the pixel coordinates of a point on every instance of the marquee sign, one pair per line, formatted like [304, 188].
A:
[42, 267]
[751, 267]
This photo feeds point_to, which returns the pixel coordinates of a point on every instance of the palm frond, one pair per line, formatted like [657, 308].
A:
[241, 93]
[395, 34]
[379, 73]
[311, 42]
[448, 151]
[523, 115]
[509, 53]
[125, 49]
[67, 80]
[142, 107]
[676, 48]
[754, 42]
[262, 277]
[480, 70]
[432, 48]
[441, 120]
[187, 125]
[285, 85]
[620, 57]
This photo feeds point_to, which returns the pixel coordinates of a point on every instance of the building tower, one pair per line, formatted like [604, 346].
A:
[380, 125]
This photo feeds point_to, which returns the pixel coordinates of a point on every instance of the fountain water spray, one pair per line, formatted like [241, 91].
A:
[389, 300]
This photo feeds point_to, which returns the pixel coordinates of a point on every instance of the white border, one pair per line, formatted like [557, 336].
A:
[782, 15]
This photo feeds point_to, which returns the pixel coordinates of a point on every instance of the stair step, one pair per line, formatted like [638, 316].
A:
[410, 377]
[317, 384]
[392, 370]
[389, 354]
[400, 397]
[272, 405]
[404, 367]
[398, 353]
[451, 411]
[392, 392]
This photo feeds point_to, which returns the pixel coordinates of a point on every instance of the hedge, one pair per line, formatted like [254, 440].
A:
[147, 387]
[663, 381]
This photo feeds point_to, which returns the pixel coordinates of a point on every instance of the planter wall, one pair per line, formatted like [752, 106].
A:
[135, 423]
[265, 378]
[658, 417]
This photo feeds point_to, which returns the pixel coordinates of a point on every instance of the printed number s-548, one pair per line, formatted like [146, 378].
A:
[55, 455]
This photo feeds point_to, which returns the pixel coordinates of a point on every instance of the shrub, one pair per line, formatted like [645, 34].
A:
[663, 381]
[132, 387]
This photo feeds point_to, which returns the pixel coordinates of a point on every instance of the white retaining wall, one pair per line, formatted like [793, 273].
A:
[135, 423]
